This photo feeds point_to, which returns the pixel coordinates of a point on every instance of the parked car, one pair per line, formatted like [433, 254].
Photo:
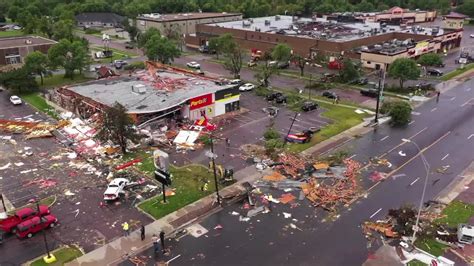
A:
[119, 63]
[283, 65]
[280, 99]
[440, 65]
[15, 100]
[247, 87]
[434, 72]
[328, 77]
[302, 137]
[236, 82]
[193, 64]
[369, 92]
[9, 224]
[329, 94]
[360, 81]
[472, 35]
[272, 96]
[308, 106]
[271, 110]
[115, 188]
[34, 225]
[272, 63]
[252, 63]
[222, 82]
[129, 45]
[424, 86]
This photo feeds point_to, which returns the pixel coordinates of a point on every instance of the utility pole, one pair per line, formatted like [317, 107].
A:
[48, 257]
[214, 170]
[289, 130]
[379, 95]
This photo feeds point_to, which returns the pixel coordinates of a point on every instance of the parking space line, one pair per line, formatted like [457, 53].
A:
[470, 136]
[434, 109]
[452, 99]
[384, 138]
[375, 213]
[413, 121]
[467, 102]
[414, 181]
[446, 156]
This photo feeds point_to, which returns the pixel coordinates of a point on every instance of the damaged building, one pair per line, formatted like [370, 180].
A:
[159, 93]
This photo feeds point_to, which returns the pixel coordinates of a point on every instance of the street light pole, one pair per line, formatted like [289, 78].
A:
[214, 170]
[422, 199]
[289, 130]
[376, 120]
[44, 233]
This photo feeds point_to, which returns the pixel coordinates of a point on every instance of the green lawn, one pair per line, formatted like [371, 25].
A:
[59, 80]
[62, 255]
[456, 212]
[431, 246]
[343, 118]
[457, 72]
[11, 33]
[416, 263]
[34, 99]
[117, 55]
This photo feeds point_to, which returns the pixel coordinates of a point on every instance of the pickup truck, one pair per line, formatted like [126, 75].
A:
[34, 225]
[9, 225]
[115, 188]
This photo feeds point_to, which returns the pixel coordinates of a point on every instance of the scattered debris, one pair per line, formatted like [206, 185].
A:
[286, 215]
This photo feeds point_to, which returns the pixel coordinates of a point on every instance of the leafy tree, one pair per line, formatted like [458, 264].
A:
[222, 44]
[281, 52]
[117, 126]
[467, 8]
[430, 59]
[70, 55]
[300, 62]
[147, 35]
[365, 6]
[63, 29]
[37, 63]
[400, 113]
[160, 48]
[18, 80]
[233, 61]
[46, 26]
[131, 29]
[404, 69]
[348, 71]
[266, 70]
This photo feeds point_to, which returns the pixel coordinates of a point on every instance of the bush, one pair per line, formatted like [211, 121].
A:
[387, 105]
[92, 31]
[262, 91]
[271, 133]
[135, 66]
[272, 145]
[400, 112]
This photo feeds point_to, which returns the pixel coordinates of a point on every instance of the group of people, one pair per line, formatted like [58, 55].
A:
[158, 241]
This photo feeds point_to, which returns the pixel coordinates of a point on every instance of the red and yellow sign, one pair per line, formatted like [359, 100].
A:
[201, 101]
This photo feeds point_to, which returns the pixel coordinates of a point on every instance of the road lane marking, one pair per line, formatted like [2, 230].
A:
[402, 143]
[470, 136]
[467, 102]
[354, 155]
[412, 121]
[411, 184]
[468, 89]
[384, 138]
[452, 99]
[434, 109]
[446, 156]
[415, 113]
[173, 259]
[375, 213]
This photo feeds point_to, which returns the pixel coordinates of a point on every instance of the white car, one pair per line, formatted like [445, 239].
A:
[15, 100]
[247, 87]
[193, 65]
[115, 188]
[472, 35]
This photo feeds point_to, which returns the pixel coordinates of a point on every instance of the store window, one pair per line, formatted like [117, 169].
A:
[233, 106]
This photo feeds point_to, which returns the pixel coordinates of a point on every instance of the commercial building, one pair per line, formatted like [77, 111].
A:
[99, 20]
[454, 20]
[158, 93]
[393, 16]
[310, 37]
[183, 23]
[13, 50]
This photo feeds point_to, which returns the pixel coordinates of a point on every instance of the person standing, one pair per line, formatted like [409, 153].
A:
[227, 142]
[437, 95]
[126, 229]
[162, 240]
[142, 232]
[156, 243]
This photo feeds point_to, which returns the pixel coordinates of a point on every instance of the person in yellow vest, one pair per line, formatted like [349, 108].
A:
[126, 229]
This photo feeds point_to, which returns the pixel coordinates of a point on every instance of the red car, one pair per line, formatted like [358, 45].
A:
[34, 225]
[9, 224]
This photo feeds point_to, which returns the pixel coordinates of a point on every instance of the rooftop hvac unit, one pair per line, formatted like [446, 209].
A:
[246, 23]
[267, 22]
[139, 88]
[258, 29]
[377, 47]
[28, 41]
[251, 20]
[364, 48]
[386, 45]
[277, 17]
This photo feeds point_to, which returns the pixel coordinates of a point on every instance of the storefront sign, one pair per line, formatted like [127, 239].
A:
[200, 101]
[227, 93]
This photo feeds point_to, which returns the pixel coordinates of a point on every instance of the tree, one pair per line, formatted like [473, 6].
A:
[400, 113]
[160, 48]
[348, 72]
[144, 37]
[222, 44]
[281, 52]
[430, 59]
[404, 69]
[467, 8]
[18, 80]
[117, 126]
[46, 26]
[365, 6]
[131, 29]
[300, 62]
[63, 29]
[266, 71]
[71, 55]
[233, 61]
[37, 63]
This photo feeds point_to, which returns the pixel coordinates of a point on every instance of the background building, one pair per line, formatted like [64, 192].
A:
[454, 20]
[13, 50]
[99, 20]
[184, 23]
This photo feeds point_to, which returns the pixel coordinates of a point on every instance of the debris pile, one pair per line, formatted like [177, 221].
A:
[31, 129]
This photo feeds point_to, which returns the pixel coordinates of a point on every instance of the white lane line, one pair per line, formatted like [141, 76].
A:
[415, 113]
[468, 89]
[173, 259]
[375, 213]
[434, 109]
[467, 102]
[384, 138]
[452, 99]
[446, 156]
[354, 155]
[411, 184]
[470, 136]
[412, 121]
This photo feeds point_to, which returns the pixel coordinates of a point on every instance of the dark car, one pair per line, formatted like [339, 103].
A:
[308, 106]
[424, 86]
[434, 72]
[280, 99]
[328, 77]
[272, 96]
[283, 65]
[330, 95]
[440, 65]
[369, 92]
[361, 81]
[221, 82]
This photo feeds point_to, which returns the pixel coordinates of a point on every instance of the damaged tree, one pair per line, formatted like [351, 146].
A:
[118, 127]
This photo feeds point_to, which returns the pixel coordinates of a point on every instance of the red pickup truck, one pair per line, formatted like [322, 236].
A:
[34, 225]
[9, 224]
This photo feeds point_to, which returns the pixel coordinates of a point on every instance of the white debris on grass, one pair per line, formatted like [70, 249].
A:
[19, 164]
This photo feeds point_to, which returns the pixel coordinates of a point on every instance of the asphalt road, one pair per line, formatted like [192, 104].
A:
[444, 132]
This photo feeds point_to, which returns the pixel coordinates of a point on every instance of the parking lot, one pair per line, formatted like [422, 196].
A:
[45, 168]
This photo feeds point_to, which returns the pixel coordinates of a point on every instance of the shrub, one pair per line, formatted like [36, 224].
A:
[400, 112]
[92, 31]
[387, 105]
[271, 133]
[262, 91]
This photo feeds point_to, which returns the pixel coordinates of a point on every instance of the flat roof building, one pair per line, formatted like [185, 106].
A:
[183, 23]
[13, 50]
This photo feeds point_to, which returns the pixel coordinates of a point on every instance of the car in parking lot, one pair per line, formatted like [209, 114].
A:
[424, 86]
[308, 106]
[369, 92]
[247, 87]
[116, 188]
[272, 96]
[328, 77]
[329, 94]
[271, 110]
[222, 81]
[280, 99]
[360, 81]
[193, 64]
[283, 65]
[236, 82]
[472, 35]
[119, 63]
[129, 45]
[252, 63]
[9, 224]
[434, 72]
[29, 227]
[15, 100]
